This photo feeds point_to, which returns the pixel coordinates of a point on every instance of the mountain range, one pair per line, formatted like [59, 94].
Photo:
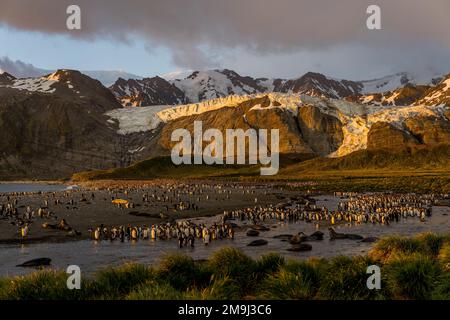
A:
[205, 85]
[65, 122]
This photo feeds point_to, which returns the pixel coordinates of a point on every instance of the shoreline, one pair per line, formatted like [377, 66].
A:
[44, 182]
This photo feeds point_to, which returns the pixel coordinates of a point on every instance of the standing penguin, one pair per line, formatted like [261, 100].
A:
[24, 231]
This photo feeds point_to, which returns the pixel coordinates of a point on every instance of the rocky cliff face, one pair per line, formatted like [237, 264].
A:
[447, 114]
[6, 78]
[437, 95]
[385, 136]
[255, 113]
[429, 130]
[322, 132]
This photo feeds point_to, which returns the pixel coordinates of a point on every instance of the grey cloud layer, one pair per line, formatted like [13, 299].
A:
[199, 32]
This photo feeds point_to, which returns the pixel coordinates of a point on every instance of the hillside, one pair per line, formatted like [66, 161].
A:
[55, 125]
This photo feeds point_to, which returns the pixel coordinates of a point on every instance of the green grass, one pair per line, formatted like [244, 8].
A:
[411, 268]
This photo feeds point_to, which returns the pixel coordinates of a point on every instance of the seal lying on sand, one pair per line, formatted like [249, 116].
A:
[259, 242]
[301, 237]
[316, 236]
[335, 235]
[39, 262]
[62, 225]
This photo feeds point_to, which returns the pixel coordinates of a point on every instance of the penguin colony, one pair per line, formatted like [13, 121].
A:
[354, 208]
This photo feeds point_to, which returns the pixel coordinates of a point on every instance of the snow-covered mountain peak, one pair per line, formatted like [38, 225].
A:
[211, 84]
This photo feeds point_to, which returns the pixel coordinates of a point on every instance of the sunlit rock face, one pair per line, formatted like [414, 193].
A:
[322, 132]
[383, 135]
[430, 130]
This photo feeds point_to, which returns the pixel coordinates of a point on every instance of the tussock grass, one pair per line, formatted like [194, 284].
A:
[113, 283]
[294, 280]
[393, 247]
[269, 263]
[412, 276]
[182, 272]
[221, 288]
[40, 285]
[154, 290]
[233, 263]
[345, 278]
[444, 256]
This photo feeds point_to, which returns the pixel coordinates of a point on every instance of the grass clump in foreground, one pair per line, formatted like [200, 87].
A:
[411, 268]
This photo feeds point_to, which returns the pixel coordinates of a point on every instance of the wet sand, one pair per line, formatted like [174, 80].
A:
[83, 215]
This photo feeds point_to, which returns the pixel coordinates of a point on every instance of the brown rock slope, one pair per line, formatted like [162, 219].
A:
[322, 132]
[52, 135]
[429, 131]
[383, 135]
[242, 117]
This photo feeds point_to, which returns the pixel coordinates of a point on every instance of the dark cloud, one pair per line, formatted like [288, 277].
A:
[200, 33]
[20, 69]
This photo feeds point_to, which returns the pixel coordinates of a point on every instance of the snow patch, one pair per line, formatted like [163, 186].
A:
[34, 85]
[132, 119]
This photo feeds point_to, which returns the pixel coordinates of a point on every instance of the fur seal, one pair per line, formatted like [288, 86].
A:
[36, 263]
[336, 235]
[260, 227]
[252, 233]
[297, 239]
[317, 235]
[259, 242]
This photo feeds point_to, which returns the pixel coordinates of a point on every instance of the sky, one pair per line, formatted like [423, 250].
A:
[261, 38]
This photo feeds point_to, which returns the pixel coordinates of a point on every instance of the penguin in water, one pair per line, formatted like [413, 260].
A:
[122, 234]
[191, 240]
[180, 240]
[24, 231]
[97, 234]
[134, 233]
